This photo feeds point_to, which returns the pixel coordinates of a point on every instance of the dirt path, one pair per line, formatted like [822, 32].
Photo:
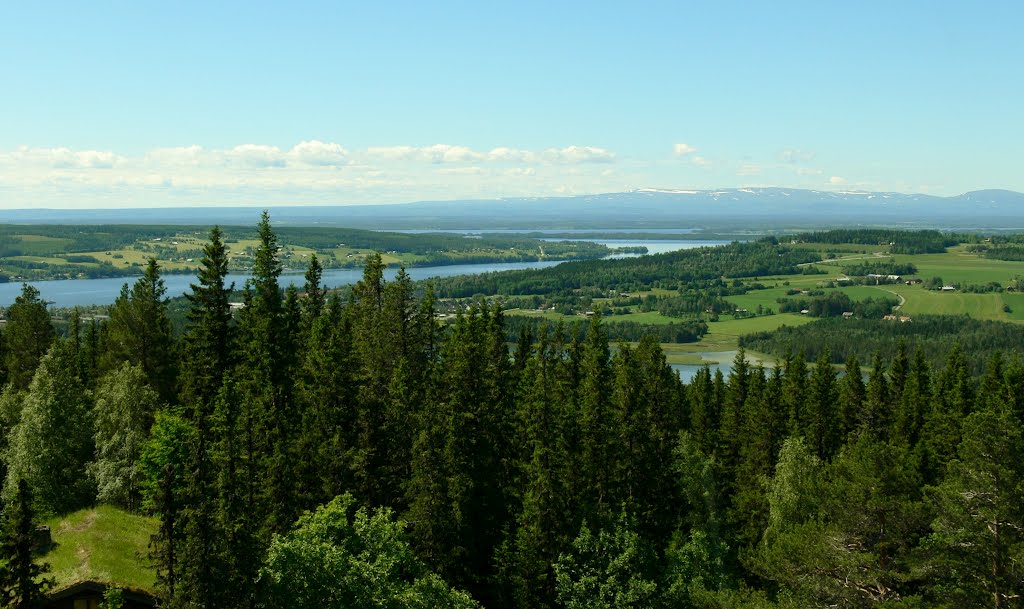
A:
[903, 300]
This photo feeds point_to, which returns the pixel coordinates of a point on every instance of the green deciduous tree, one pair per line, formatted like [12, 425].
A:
[123, 413]
[613, 569]
[342, 557]
[53, 442]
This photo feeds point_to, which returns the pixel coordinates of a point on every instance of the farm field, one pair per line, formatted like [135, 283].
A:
[954, 267]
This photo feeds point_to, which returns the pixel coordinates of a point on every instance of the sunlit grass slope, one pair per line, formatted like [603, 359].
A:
[102, 544]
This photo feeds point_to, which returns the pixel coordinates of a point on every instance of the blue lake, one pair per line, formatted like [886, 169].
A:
[84, 292]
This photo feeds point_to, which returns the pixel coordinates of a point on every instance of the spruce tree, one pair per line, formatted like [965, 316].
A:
[730, 438]
[541, 522]
[952, 400]
[315, 295]
[208, 334]
[977, 536]
[757, 456]
[704, 414]
[915, 400]
[206, 360]
[597, 441]
[822, 432]
[27, 336]
[164, 545]
[22, 581]
[876, 413]
[326, 399]
[139, 332]
[794, 393]
[852, 394]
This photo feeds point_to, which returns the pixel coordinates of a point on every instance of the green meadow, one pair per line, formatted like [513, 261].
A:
[102, 544]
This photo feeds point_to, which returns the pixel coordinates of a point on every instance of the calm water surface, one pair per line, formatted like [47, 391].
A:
[83, 292]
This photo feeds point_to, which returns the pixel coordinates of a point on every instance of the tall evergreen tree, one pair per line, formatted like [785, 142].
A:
[704, 414]
[197, 517]
[208, 333]
[597, 440]
[794, 392]
[315, 295]
[541, 525]
[762, 431]
[27, 336]
[915, 400]
[952, 400]
[164, 545]
[326, 397]
[732, 411]
[139, 332]
[822, 432]
[876, 414]
[23, 584]
[979, 525]
[265, 387]
[852, 394]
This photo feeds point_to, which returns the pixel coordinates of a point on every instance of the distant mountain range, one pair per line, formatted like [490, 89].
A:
[733, 208]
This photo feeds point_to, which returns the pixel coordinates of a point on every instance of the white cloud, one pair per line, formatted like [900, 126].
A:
[519, 172]
[701, 161]
[311, 171]
[836, 180]
[256, 155]
[64, 158]
[446, 153]
[182, 155]
[579, 154]
[504, 154]
[438, 153]
[748, 169]
[683, 149]
[315, 152]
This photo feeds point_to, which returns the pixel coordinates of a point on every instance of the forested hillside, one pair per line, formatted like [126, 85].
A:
[862, 338]
[56, 251]
[673, 270]
[307, 451]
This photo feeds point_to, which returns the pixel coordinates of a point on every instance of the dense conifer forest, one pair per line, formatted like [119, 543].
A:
[314, 451]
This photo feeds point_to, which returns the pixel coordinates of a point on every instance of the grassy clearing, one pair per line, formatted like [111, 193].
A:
[102, 544]
[978, 306]
[649, 317]
[723, 336]
[39, 244]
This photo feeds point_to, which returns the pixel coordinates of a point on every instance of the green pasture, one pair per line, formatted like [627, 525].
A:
[958, 266]
[41, 245]
[768, 298]
[724, 335]
[649, 317]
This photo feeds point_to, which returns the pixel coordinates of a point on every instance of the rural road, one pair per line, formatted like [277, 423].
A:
[897, 295]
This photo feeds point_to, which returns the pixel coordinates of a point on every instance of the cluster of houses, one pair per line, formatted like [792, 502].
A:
[900, 318]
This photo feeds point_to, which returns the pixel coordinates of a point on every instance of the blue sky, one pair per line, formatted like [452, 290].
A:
[197, 103]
